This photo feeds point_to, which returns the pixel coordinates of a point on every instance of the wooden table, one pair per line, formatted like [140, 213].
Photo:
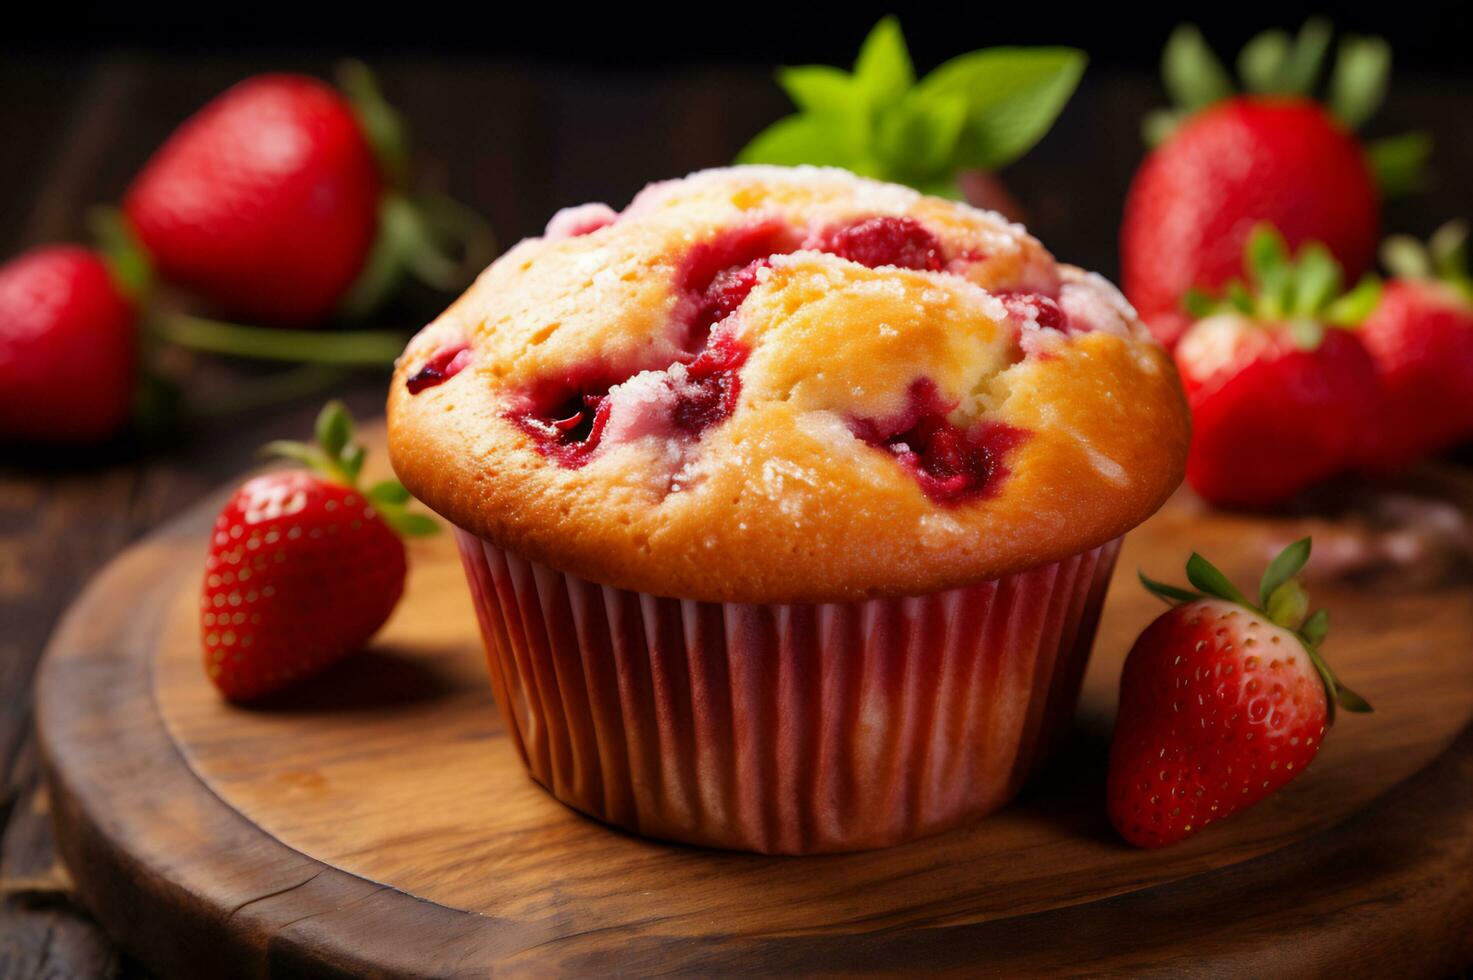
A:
[515, 141]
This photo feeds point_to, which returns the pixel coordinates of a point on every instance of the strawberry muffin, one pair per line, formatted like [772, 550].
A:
[788, 500]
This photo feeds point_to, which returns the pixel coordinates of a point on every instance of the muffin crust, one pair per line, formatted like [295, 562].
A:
[715, 396]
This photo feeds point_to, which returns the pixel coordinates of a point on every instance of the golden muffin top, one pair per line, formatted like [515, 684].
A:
[764, 384]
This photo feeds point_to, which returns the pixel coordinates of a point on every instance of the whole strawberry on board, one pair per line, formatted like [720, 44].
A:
[1282, 392]
[1224, 162]
[1421, 337]
[1222, 701]
[303, 566]
[67, 347]
[283, 199]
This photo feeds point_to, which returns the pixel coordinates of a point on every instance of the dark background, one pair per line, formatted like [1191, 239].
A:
[516, 116]
[1430, 37]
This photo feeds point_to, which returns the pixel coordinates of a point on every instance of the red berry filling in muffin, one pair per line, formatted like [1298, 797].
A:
[444, 365]
[885, 240]
[952, 463]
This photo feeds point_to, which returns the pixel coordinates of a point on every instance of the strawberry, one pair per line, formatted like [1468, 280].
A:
[1222, 702]
[274, 197]
[303, 567]
[67, 347]
[1225, 163]
[1421, 337]
[1280, 395]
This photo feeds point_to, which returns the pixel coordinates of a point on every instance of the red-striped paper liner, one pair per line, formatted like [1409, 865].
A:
[790, 729]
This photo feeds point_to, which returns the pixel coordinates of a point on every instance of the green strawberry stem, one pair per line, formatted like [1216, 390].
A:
[341, 347]
[1306, 290]
[1281, 599]
[419, 236]
[1443, 259]
[336, 457]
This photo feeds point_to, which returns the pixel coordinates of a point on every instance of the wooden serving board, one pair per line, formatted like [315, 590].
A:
[377, 819]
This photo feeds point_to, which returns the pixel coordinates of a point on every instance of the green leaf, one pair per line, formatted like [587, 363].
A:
[1158, 125]
[1307, 57]
[1306, 332]
[1317, 279]
[1360, 79]
[127, 260]
[411, 525]
[380, 122]
[1288, 604]
[1170, 593]
[883, 71]
[352, 463]
[1317, 627]
[1200, 304]
[1406, 258]
[1399, 163]
[1449, 249]
[798, 139]
[1238, 296]
[917, 138]
[1263, 62]
[1193, 76]
[1267, 256]
[334, 428]
[1356, 305]
[1013, 96]
[822, 89]
[299, 452]
[1205, 576]
[388, 492]
[1287, 564]
[1351, 701]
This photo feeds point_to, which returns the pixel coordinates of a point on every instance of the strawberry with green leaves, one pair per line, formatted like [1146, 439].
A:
[1421, 337]
[284, 199]
[1225, 161]
[303, 566]
[1282, 393]
[1222, 701]
[979, 111]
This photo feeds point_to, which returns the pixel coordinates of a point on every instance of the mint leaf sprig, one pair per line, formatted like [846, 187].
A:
[1275, 64]
[336, 457]
[1305, 290]
[1281, 599]
[1444, 258]
[981, 110]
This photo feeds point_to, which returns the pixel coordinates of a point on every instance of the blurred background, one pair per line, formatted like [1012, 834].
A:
[515, 114]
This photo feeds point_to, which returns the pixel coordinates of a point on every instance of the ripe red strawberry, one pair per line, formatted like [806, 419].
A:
[1270, 156]
[266, 201]
[303, 567]
[1222, 702]
[280, 200]
[1421, 337]
[1281, 398]
[67, 347]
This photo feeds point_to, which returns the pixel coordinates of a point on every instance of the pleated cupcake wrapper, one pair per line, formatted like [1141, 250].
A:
[785, 728]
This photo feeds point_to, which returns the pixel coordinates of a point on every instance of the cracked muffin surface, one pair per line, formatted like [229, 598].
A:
[764, 384]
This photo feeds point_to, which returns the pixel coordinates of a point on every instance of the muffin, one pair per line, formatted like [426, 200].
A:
[788, 500]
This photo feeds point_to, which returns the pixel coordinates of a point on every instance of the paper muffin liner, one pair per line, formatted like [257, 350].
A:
[780, 728]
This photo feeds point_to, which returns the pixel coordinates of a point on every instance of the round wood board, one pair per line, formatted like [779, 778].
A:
[376, 819]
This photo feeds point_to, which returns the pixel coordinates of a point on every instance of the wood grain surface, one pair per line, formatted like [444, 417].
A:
[377, 817]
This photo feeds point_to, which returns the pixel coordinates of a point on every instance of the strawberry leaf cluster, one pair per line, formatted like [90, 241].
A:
[1306, 290]
[1275, 64]
[1281, 598]
[981, 110]
[1444, 258]
[336, 457]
